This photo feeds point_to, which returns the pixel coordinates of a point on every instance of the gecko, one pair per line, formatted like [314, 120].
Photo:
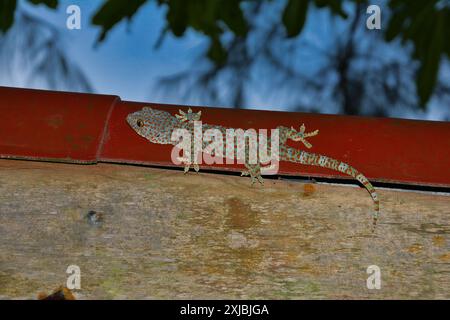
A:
[157, 126]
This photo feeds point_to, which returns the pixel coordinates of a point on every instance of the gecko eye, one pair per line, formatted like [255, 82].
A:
[140, 123]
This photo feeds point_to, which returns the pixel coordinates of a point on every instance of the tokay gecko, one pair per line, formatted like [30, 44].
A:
[157, 126]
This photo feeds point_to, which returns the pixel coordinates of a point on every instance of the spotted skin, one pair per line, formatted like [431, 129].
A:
[157, 127]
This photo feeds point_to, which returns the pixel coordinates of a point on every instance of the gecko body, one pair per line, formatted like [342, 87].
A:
[157, 126]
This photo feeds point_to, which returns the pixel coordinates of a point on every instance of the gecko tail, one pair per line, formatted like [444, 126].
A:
[312, 159]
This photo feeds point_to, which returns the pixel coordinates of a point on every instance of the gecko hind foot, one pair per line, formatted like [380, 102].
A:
[194, 166]
[188, 164]
[254, 172]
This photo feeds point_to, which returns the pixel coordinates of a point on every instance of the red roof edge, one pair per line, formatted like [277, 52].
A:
[88, 128]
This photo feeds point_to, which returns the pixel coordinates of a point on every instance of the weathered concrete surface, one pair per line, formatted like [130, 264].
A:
[167, 235]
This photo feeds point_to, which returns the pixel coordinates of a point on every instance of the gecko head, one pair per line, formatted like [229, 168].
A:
[154, 125]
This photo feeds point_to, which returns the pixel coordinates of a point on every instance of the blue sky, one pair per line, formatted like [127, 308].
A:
[127, 64]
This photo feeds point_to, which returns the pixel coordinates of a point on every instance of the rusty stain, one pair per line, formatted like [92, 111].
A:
[445, 257]
[311, 269]
[438, 241]
[415, 248]
[240, 214]
[308, 190]
[246, 260]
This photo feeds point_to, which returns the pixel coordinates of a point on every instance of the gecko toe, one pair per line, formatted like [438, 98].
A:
[260, 179]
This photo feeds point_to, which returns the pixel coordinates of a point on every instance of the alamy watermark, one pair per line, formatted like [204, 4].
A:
[373, 22]
[374, 280]
[212, 146]
[73, 21]
[74, 279]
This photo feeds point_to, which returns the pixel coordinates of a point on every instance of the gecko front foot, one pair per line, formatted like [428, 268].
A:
[302, 135]
[189, 116]
[254, 171]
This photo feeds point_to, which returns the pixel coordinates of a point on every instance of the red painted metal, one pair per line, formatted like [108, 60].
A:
[52, 126]
[87, 128]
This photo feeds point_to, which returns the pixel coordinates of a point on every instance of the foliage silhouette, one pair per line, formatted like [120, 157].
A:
[423, 24]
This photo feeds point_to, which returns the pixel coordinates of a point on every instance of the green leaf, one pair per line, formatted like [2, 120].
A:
[321, 3]
[294, 17]
[216, 52]
[335, 7]
[177, 17]
[231, 13]
[447, 27]
[395, 25]
[428, 72]
[112, 12]
[7, 9]
[425, 25]
[49, 3]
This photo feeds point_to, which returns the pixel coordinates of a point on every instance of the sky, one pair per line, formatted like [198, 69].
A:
[127, 64]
